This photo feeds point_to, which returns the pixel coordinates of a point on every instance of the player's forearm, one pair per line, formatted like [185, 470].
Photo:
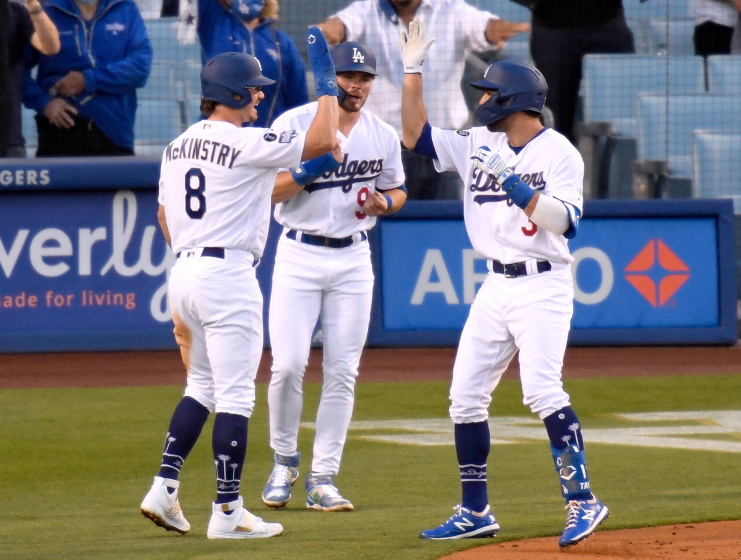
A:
[285, 187]
[46, 37]
[320, 138]
[163, 224]
[398, 198]
[413, 113]
[548, 213]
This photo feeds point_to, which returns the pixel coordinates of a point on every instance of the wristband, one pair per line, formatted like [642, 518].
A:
[388, 201]
[519, 191]
[313, 168]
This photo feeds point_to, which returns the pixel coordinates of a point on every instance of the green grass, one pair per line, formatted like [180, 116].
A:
[75, 464]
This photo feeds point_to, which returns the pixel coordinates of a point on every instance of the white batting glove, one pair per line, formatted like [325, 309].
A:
[415, 46]
[491, 163]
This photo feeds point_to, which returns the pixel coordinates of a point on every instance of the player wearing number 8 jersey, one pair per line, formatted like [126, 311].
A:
[215, 187]
[522, 203]
[323, 267]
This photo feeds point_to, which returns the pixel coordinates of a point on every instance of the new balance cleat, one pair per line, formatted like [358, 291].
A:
[323, 495]
[277, 490]
[582, 519]
[239, 524]
[464, 525]
[163, 508]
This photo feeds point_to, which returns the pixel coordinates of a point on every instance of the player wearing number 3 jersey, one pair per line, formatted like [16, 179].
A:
[215, 188]
[522, 203]
[323, 268]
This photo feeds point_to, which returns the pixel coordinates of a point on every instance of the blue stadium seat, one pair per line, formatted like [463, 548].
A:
[612, 83]
[672, 37]
[28, 127]
[191, 78]
[505, 9]
[158, 122]
[163, 35]
[724, 73]
[657, 8]
[161, 82]
[716, 165]
[668, 136]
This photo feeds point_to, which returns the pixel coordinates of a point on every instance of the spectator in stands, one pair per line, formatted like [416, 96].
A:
[85, 96]
[563, 32]
[19, 26]
[715, 22]
[248, 26]
[459, 29]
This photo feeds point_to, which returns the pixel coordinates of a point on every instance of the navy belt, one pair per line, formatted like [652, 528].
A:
[216, 252]
[321, 241]
[514, 270]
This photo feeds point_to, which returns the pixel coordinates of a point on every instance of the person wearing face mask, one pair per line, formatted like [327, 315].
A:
[85, 95]
[247, 26]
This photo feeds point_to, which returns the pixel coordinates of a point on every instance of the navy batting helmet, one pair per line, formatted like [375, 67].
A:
[354, 57]
[515, 86]
[230, 74]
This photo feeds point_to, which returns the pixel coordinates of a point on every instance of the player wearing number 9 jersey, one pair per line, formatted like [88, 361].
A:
[323, 268]
[215, 187]
[522, 203]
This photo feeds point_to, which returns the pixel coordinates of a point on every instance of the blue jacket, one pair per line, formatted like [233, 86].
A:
[221, 31]
[114, 54]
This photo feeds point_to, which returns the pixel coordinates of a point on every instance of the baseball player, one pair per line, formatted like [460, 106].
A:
[323, 268]
[215, 187]
[523, 202]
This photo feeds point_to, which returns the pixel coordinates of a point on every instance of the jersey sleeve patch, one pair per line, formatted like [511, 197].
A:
[287, 136]
[270, 136]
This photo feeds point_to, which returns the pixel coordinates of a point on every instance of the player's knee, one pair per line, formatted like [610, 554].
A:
[203, 396]
[289, 367]
[547, 403]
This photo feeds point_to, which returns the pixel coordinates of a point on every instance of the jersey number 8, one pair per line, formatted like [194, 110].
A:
[197, 194]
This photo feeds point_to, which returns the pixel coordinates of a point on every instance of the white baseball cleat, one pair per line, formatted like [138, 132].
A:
[163, 508]
[240, 524]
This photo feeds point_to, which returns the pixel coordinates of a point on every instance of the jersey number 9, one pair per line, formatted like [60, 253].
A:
[195, 197]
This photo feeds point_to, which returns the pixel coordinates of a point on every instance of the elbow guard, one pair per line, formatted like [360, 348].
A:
[551, 214]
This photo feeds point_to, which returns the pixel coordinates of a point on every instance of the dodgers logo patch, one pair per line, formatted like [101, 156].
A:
[287, 136]
[269, 136]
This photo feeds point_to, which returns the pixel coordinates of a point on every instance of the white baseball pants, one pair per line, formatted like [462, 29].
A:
[532, 313]
[307, 281]
[217, 308]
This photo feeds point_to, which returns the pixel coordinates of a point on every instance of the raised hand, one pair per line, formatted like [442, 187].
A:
[325, 79]
[415, 46]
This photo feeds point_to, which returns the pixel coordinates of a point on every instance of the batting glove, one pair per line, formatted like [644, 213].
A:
[491, 163]
[325, 79]
[415, 46]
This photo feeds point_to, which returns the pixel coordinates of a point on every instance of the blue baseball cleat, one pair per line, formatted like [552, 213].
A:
[277, 490]
[464, 525]
[582, 519]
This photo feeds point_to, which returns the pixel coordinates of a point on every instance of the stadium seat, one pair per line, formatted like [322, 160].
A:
[672, 37]
[724, 74]
[716, 165]
[28, 127]
[158, 121]
[163, 35]
[657, 8]
[667, 136]
[161, 82]
[505, 9]
[612, 83]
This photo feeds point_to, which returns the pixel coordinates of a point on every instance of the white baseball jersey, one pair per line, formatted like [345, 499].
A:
[216, 181]
[498, 229]
[333, 204]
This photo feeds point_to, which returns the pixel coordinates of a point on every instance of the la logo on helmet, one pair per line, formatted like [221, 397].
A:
[357, 56]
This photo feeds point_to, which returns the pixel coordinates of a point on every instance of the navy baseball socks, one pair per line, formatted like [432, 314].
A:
[473, 518]
[161, 503]
[584, 511]
[229, 518]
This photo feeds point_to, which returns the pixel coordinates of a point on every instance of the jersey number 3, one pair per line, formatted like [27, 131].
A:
[530, 231]
[195, 201]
